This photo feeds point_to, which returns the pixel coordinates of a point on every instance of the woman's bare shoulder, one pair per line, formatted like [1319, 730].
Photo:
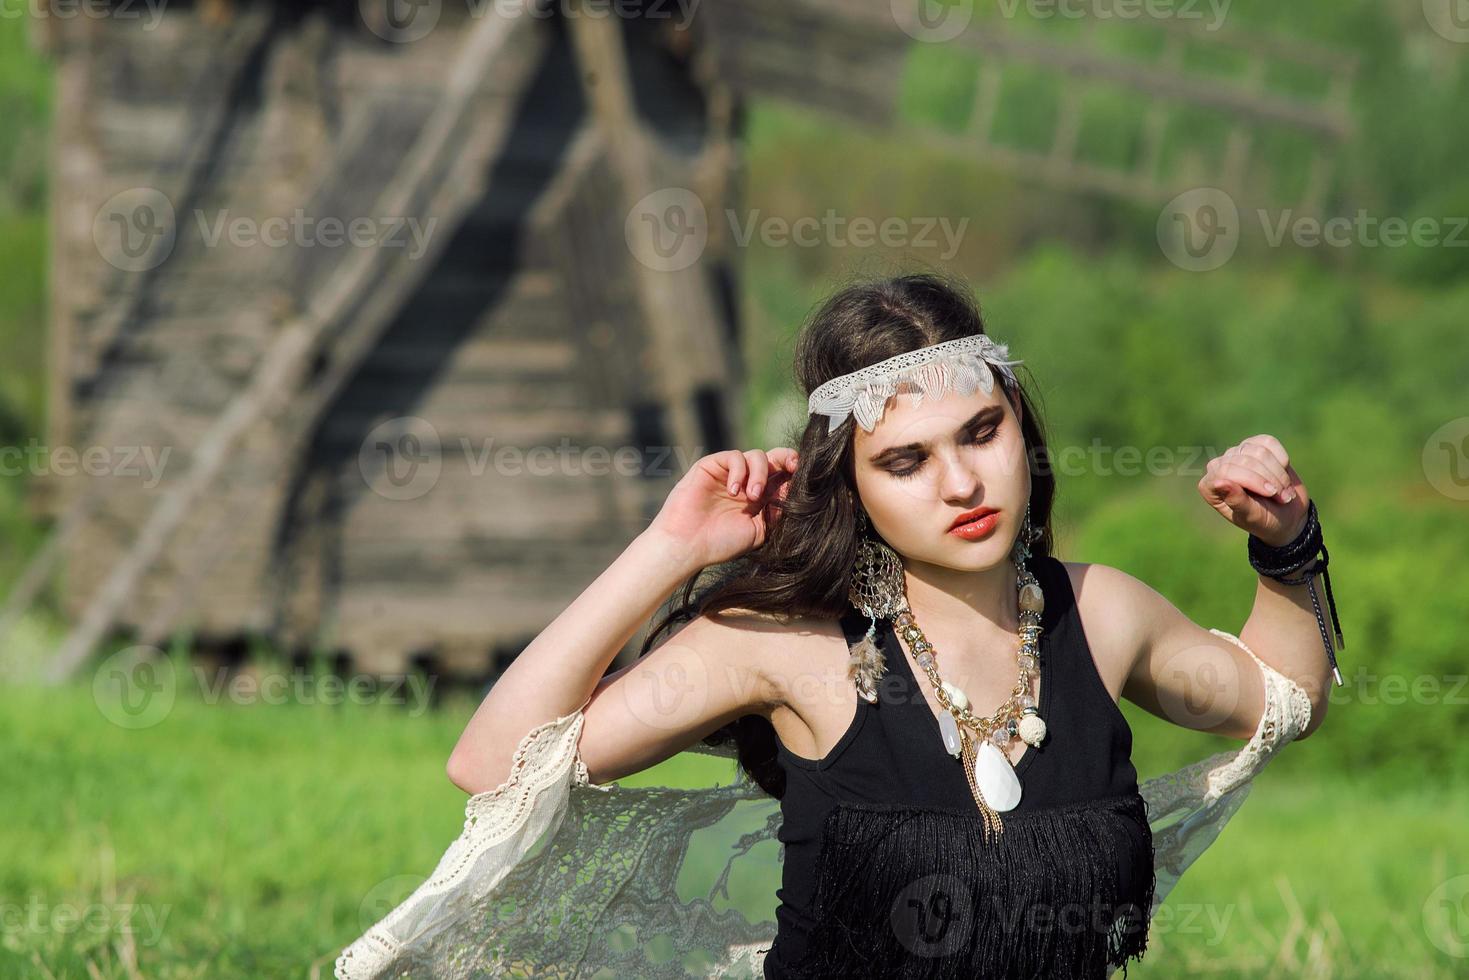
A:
[781, 647]
[1107, 602]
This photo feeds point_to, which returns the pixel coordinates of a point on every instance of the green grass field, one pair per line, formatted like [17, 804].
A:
[255, 840]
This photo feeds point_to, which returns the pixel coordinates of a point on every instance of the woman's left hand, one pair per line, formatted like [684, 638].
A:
[1254, 487]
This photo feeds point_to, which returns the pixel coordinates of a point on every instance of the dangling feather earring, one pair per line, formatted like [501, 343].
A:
[877, 590]
[866, 663]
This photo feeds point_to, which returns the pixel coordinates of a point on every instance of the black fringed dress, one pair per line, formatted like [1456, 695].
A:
[886, 870]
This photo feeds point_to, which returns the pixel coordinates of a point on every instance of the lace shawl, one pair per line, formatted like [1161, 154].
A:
[553, 876]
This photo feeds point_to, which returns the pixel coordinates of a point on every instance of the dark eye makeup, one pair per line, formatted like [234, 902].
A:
[911, 471]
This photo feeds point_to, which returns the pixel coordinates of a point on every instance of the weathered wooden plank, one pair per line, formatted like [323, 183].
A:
[161, 129]
[432, 178]
[480, 358]
[511, 600]
[532, 425]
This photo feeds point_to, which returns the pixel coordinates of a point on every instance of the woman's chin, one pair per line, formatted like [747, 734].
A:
[970, 556]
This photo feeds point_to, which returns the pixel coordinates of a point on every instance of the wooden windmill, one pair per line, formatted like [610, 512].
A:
[350, 429]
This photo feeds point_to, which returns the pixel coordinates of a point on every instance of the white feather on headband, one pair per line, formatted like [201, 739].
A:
[960, 366]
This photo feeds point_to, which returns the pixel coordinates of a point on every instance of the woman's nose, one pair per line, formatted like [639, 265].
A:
[958, 483]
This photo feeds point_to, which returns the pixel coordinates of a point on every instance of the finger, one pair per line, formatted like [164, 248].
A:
[759, 473]
[775, 494]
[1269, 465]
[1260, 450]
[1231, 499]
[1221, 492]
[1273, 446]
[1219, 484]
[1250, 474]
[1288, 482]
[734, 462]
[1230, 456]
[1216, 484]
[784, 458]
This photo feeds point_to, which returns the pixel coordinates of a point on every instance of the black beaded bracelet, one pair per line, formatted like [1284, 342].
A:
[1286, 557]
[1299, 556]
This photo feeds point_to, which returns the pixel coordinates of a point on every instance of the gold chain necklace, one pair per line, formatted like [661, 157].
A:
[981, 743]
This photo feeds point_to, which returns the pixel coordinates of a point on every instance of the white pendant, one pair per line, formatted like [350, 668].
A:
[949, 729]
[958, 697]
[996, 777]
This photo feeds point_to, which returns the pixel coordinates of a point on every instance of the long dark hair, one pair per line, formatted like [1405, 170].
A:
[803, 568]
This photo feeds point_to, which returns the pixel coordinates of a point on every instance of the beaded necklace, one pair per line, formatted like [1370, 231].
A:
[980, 743]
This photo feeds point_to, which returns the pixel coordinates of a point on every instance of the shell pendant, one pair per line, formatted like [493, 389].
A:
[996, 778]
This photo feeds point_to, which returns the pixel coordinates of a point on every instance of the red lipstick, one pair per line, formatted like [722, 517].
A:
[975, 524]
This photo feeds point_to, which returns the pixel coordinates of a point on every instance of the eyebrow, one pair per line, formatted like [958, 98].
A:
[984, 415]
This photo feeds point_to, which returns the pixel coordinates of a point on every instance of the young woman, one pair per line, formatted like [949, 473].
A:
[901, 661]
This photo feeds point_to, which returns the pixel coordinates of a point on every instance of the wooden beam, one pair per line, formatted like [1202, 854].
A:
[683, 318]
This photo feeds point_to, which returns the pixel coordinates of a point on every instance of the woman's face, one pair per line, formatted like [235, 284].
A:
[924, 466]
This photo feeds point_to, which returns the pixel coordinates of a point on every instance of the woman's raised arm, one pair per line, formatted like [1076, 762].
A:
[719, 510]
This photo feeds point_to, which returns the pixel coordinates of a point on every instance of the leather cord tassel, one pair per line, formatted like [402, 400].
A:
[1281, 564]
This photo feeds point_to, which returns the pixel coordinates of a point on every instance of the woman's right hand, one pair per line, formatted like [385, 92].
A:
[725, 505]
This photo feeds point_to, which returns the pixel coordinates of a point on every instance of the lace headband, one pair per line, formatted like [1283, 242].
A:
[959, 365]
